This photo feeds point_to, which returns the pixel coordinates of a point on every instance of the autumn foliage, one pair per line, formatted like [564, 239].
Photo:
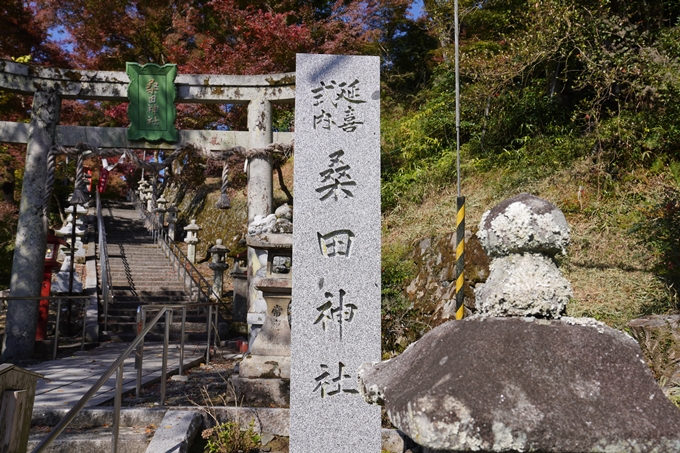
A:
[215, 37]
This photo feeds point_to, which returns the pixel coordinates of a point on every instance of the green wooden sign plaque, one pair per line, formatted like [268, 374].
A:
[152, 110]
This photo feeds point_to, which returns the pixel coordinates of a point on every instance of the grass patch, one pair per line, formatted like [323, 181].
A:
[613, 269]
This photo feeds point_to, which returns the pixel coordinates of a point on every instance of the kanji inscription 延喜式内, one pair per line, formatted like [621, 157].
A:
[336, 253]
[336, 105]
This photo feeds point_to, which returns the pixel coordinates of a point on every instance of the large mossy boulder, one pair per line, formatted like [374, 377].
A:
[525, 384]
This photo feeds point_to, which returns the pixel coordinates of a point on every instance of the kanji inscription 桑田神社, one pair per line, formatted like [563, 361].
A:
[152, 110]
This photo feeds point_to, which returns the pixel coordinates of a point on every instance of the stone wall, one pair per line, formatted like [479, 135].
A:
[433, 291]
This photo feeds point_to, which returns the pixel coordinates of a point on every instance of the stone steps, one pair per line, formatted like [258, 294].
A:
[148, 256]
[147, 270]
[175, 327]
[128, 301]
[141, 430]
[124, 317]
[141, 274]
[130, 440]
[174, 288]
[128, 277]
[129, 336]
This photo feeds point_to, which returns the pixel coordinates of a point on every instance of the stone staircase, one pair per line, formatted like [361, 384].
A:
[141, 274]
[141, 430]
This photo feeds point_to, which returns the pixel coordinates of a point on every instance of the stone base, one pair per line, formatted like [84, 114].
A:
[572, 376]
[265, 366]
[262, 392]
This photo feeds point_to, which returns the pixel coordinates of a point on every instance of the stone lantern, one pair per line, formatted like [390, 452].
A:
[218, 265]
[80, 210]
[74, 230]
[67, 228]
[239, 274]
[172, 220]
[192, 239]
[266, 368]
[149, 198]
[160, 210]
[141, 185]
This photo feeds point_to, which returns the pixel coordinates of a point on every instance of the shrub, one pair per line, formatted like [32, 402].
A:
[231, 437]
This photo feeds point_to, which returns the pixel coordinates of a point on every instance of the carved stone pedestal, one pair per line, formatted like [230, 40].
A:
[264, 374]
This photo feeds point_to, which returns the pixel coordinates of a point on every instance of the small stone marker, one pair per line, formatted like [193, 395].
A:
[336, 253]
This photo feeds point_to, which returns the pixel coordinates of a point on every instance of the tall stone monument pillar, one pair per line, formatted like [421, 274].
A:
[336, 253]
[29, 253]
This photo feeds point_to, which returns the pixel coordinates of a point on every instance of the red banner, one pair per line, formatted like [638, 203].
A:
[103, 178]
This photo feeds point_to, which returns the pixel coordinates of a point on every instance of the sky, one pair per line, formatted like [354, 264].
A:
[416, 9]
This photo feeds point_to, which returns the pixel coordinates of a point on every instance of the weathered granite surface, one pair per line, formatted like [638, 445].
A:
[336, 253]
[524, 223]
[524, 285]
[522, 234]
[523, 384]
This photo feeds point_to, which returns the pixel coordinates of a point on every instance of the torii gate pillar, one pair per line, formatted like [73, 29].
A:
[29, 253]
[260, 194]
[260, 200]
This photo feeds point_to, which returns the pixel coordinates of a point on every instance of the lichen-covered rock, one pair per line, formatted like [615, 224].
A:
[284, 212]
[523, 285]
[524, 223]
[261, 224]
[283, 226]
[279, 223]
[524, 384]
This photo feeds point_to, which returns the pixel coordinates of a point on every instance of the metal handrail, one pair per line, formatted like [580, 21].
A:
[83, 299]
[80, 404]
[107, 281]
[160, 236]
[190, 269]
[141, 322]
[118, 365]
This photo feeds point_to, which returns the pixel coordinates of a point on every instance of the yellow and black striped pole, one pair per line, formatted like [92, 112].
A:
[460, 200]
[460, 257]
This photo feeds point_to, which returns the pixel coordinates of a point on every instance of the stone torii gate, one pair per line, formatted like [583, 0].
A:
[48, 87]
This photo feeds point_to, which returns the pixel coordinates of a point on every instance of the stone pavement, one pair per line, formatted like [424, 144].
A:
[67, 379]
